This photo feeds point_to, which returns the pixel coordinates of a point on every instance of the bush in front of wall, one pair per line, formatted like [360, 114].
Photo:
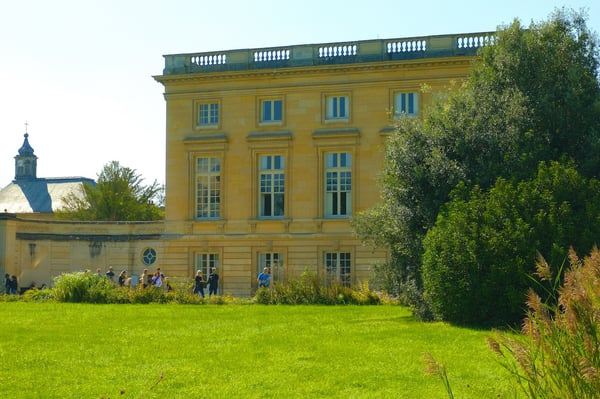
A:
[309, 289]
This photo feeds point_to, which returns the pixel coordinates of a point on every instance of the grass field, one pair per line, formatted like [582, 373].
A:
[57, 350]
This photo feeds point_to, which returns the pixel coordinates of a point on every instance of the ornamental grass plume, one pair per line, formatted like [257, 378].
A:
[435, 368]
[556, 354]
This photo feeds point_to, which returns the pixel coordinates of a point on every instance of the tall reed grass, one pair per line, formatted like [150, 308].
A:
[557, 355]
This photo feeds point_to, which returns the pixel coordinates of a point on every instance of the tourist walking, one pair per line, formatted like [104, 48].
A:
[7, 283]
[143, 282]
[14, 285]
[213, 282]
[263, 278]
[122, 278]
[157, 279]
[110, 274]
[199, 284]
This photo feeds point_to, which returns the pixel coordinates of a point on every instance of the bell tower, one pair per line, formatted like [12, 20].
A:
[26, 162]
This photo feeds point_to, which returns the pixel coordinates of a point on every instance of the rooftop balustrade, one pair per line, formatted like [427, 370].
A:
[379, 50]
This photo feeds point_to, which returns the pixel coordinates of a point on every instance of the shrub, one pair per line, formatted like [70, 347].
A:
[412, 296]
[45, 295]
[483, 247]
[309, 289]
[147, 295]
[82, 287]
[557, 355]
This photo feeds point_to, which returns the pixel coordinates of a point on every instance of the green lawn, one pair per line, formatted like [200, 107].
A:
[57, 350]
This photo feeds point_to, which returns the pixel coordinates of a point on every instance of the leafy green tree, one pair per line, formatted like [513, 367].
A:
[119, 195]
[532, 96]
[480, 253]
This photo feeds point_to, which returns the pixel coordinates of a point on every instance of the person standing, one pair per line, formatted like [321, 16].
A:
[213, 282]
[143, 283]
[122, 278]
[199, 284]
[157, 280]
[14, 285]
[7, 283]
[110, 273]
[263, 278]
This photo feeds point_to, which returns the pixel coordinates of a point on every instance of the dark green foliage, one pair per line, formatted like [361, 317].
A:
[484, 244]
[532, 97]
[118, 195]
[412, 296]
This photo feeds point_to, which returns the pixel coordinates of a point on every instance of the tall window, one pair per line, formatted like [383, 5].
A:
[208, 188]
[338, 184]
[208, 114]
[272, 111]
[272, 185]
[205, 262]
[273, 261]
[406, 104]
[337, 267]
[337, 107]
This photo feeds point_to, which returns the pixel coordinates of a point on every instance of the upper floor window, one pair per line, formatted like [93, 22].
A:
[208, 188]
[337, 107]
[208, 114]
[338, 184]
[271, 111]
[272, 185]
[406, 104]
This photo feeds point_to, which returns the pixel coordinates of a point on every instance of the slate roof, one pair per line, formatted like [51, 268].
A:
[40, 195]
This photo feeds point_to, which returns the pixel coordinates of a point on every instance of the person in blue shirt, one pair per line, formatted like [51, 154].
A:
[263, 278]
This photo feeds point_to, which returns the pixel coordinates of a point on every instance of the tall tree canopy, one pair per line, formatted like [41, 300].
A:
[533, 96]
[119, 195]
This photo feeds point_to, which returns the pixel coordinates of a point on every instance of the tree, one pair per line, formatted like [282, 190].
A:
[533, 96]
[118, 195]
[481, 252]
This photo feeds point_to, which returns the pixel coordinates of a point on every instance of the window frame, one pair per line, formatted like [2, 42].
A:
[273, 173]
[270, 145]
[262, 119]
[345, 277]
[338, 194]
[405, 104]
[197, 176]
[331, 106]
[276, 257]
[205, 268]
[198, 118]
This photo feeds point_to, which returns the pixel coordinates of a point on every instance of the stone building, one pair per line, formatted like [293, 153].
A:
[269, 154]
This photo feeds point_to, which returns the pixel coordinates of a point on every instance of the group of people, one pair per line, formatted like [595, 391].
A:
[157, 279]
[212, 281]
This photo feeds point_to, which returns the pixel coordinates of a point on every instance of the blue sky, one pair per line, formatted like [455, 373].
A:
[80, 72]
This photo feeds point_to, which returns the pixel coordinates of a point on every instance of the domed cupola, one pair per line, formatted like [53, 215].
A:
[26, 162]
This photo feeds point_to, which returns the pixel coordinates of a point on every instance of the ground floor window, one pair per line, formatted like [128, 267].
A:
[205, 262]
[338, 268]
[272, 261]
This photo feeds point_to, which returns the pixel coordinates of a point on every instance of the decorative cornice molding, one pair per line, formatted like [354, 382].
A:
[315, 70]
